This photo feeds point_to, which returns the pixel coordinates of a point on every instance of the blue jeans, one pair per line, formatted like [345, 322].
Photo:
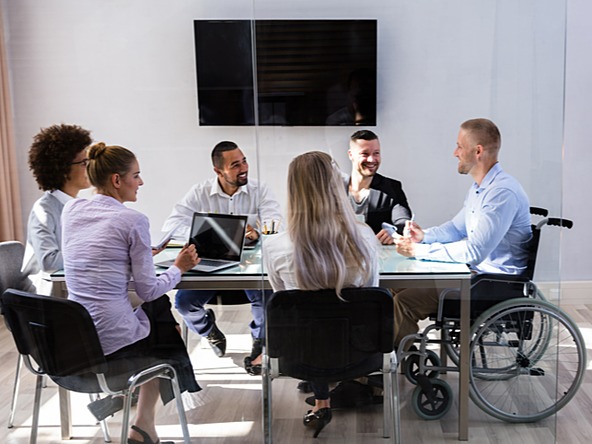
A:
[190, 304]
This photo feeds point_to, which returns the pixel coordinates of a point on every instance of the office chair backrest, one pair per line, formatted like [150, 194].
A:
[11, 261]
[313, 333]
[57, 333]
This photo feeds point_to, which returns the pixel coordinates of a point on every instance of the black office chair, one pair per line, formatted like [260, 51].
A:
[11, 276]
[57, 338]
[316, 336]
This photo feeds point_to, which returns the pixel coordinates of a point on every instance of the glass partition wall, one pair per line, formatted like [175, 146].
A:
[438, 64]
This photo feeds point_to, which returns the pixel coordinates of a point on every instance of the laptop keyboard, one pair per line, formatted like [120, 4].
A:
[209, 263]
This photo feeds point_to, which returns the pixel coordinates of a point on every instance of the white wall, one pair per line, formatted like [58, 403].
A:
[576, 261]
[125, 69]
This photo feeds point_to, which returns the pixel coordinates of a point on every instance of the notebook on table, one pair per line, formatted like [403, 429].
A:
[219, 240]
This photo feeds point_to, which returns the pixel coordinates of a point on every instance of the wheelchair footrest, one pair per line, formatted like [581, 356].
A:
[537, 372]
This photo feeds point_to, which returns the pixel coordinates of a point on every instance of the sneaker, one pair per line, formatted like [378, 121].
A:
[216, 338]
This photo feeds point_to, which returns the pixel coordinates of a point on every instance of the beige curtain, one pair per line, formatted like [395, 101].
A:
[10, 205]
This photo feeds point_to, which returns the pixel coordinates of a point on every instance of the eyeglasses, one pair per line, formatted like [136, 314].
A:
[82, 162]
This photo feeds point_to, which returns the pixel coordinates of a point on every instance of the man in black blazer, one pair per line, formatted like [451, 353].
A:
[375, 197]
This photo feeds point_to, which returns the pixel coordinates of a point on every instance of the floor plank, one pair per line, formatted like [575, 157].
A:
[228, 410]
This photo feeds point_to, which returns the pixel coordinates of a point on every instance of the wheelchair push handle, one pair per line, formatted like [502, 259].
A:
[559, 222]
[538, 211]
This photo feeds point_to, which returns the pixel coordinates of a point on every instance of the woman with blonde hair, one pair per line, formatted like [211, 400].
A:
[324, 247]
[105, 245]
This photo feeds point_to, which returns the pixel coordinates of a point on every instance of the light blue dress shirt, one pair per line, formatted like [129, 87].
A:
[490, 233]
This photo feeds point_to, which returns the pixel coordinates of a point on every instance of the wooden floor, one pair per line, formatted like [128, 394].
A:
[228, 410]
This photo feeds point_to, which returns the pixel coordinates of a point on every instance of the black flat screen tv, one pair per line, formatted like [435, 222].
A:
[307, 72]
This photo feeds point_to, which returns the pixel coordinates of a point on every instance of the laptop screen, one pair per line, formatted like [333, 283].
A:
[218, 236]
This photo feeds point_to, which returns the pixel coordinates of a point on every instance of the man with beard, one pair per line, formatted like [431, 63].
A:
[375, 197]
[230, 192]
[490, 233]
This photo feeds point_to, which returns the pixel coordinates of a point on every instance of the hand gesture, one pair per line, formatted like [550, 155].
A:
[384, 237]
[187, 258]
[413, 231]
[155, 251]
[251, 234]
[405, 246]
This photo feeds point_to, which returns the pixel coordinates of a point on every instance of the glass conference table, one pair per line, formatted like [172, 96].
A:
[396, 271]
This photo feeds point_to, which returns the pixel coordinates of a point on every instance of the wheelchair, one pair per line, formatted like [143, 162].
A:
[527, 357]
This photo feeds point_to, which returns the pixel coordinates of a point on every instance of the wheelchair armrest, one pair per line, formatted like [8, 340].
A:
[450, 294]
[495, 277]
[488, 286]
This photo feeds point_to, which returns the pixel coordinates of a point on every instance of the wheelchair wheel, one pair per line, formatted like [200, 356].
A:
[504, 333]
[412, 368]
[432, 404]
[451, 332]
[527, 360]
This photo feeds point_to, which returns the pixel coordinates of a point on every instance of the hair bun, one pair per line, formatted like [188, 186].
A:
[96, 150]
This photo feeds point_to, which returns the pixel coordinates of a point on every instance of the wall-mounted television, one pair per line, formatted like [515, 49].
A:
[307, 72]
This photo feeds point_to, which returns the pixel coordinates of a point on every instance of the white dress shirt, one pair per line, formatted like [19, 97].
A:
[254, 200]
[278, 256]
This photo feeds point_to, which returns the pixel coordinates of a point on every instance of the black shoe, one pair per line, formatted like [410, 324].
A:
[376, 381]
[349, 394]
[304, 387]
[216, 338]
[145, 438]
[318, 419]
[252, 369]
[256, 350]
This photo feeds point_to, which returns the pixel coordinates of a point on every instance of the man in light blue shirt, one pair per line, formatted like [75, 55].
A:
[490, 233]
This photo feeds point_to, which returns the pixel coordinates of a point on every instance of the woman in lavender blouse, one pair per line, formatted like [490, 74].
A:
[105, 244]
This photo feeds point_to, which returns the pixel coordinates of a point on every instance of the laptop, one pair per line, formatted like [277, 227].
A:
[219, 240]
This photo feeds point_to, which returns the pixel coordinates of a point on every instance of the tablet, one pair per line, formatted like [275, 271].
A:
[165, 238]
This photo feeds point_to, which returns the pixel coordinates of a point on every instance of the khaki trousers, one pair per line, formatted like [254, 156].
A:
[412, 305]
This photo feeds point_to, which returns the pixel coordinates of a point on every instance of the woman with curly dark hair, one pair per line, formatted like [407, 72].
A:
[58, 160]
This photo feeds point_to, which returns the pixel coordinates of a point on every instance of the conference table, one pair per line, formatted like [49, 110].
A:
[396, 271]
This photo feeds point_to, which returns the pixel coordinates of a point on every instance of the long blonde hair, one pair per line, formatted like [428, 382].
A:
[322, 225]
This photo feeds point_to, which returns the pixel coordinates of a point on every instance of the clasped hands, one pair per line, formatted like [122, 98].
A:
[251, 234]
[406, 243]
